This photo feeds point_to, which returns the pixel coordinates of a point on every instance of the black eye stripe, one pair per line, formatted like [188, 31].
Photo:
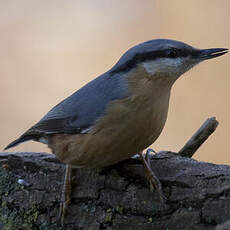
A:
[152, 55]
[172, 53]
[175, 53]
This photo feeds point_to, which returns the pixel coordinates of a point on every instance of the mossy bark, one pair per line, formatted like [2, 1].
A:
[118, 197]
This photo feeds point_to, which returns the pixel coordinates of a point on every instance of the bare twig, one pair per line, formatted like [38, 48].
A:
[199, 137]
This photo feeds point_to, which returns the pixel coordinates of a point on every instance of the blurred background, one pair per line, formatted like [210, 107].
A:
[49, 49]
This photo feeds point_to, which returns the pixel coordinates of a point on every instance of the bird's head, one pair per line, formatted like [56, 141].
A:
[165, 57]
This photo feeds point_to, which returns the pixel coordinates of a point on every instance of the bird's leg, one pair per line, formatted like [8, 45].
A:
[152, 178]
[66, 193]
[147, 157]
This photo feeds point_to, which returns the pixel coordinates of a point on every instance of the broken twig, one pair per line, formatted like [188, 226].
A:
[199, 137]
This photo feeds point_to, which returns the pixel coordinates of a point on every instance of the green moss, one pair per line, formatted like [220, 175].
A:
[109, 210]
[30, 217]
[12, 217]
[119, 209]
[150, 219]
[6, 182]
[108, 215]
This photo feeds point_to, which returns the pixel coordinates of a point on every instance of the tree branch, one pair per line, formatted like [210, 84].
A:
[199, 137]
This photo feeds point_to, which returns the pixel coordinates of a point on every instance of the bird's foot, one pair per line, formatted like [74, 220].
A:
[66, 194]
[147, 154]
[154, 182]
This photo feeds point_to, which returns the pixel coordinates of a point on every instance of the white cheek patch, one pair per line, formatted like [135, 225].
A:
[164, 65]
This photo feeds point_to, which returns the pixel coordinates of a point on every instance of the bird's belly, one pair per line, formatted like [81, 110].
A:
[113, 143]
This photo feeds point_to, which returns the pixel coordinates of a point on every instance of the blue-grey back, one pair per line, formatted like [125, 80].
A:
[80, 110]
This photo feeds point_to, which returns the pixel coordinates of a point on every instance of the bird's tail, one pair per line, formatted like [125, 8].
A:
[20, 140]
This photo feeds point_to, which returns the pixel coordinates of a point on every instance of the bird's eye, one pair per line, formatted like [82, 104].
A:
[172, 53]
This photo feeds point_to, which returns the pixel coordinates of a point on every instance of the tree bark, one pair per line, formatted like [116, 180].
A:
[118, 197]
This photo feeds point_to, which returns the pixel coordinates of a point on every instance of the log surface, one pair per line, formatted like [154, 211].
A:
[115, 198]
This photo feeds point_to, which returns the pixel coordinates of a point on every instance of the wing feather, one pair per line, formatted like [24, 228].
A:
[80, 110]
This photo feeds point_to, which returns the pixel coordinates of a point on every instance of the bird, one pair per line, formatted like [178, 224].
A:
[118, 114]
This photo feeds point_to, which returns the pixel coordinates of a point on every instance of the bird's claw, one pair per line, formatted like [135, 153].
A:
[63, 210]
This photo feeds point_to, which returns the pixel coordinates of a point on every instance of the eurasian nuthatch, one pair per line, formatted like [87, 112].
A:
[121, 112]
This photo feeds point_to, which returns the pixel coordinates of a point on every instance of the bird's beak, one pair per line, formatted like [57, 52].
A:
[211, 53]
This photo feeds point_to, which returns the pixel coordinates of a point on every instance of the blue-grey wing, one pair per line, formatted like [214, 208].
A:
[80, 110]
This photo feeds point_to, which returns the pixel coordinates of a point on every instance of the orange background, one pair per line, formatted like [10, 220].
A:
[49, 49]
